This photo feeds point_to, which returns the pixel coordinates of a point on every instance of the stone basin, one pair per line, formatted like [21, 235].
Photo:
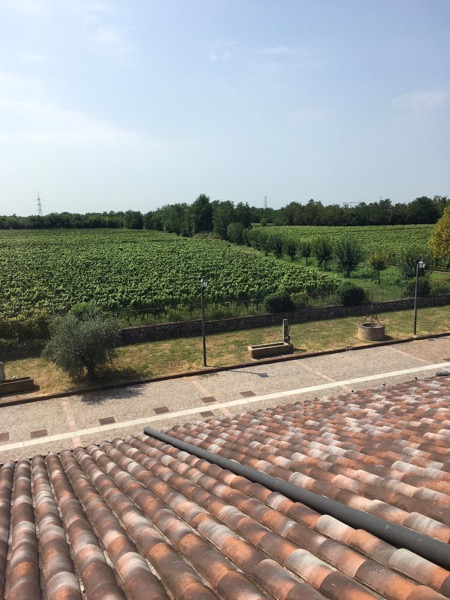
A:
[274, 349]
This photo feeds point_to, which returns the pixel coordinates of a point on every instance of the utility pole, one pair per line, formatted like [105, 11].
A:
[39, 206]
[265, 201]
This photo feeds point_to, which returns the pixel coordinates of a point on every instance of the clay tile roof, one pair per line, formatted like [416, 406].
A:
[140, 518]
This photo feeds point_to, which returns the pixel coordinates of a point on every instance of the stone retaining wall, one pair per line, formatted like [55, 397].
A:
[164, 331]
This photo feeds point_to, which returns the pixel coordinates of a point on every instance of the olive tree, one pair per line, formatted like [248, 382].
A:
[83, 340]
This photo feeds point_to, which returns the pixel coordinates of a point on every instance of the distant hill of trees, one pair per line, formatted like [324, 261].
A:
[227, 220]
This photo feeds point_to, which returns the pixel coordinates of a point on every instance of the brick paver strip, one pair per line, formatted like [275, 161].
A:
[208, 399]
[107, 420]
[248, 394]
[207, 413]
[4, 437]
[159, 410]
[39, 433]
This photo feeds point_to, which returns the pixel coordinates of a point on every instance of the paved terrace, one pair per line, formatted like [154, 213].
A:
[56, 424]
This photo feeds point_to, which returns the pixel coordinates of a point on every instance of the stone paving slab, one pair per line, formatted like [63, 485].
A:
[76, 420]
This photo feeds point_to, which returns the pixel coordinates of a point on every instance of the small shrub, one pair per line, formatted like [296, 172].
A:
[424, 287]
[219, 312]
[439, 288]
[363, 272]
[352, 295]
[279, 302]
[300, 299]
[392, 277]
[12, 349]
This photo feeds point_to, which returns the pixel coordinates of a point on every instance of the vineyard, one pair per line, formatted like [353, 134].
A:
[50, 271]
[393, 239]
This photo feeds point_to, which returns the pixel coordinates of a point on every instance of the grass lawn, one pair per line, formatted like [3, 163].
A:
[169, 357]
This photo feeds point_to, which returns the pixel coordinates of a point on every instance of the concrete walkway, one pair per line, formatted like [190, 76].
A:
[52, 425]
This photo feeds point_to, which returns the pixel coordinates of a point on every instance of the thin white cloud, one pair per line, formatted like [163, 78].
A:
[420, 101]
[279, 51]
[27, 115]
[216, 56]
[14, 86]
[93, 19]
[31, 57]
[31, 7]
[283, 57]
[113, 41]
[79, 8]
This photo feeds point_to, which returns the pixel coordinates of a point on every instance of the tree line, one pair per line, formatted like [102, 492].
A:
[227, 219]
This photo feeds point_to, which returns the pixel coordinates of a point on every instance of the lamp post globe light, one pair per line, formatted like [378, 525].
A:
[420, 264]
[203, 284]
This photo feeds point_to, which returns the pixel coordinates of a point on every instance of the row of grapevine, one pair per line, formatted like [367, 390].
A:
[50, 271]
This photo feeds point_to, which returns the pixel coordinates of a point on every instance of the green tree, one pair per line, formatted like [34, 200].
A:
[378, 261]
[439, 243]
[290, 249]
[305, 249]
[322, 248]
[133, 219]
[277, 246]
[223, 215]
[408, 261]
[84, 339]
[422, 210]
[202, 214]
[235, 233]
[173, 218]
[348, 253]
[243, 214]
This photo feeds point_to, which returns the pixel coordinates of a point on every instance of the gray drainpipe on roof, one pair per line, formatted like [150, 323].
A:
[401, 537]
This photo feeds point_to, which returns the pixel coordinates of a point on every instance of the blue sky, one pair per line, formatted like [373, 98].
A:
[117, 105]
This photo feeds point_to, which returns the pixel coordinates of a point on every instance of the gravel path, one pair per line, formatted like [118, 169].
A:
[52, 425]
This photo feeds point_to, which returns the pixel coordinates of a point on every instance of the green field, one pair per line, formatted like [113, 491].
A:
[47, 272]
[50, 271]
[392, 239]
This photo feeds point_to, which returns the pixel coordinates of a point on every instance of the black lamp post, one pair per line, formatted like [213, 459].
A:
[420, 264]
[203, 284]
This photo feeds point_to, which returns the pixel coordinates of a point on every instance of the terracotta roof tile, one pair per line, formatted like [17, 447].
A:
[139, 518]
[24, 576]
[276, 580]
[385, 581]
[308, 567]
[420, 569]
[423, 593]
[339, 587]
[371, 546]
